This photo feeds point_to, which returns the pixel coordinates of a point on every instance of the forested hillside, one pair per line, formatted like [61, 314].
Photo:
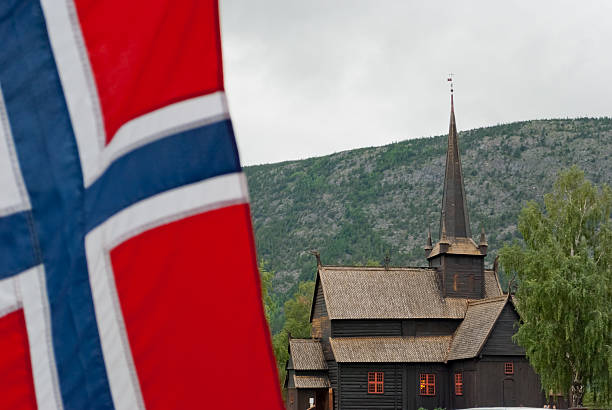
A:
[356, 206]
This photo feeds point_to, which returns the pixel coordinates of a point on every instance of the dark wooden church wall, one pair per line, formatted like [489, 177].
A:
[303, 396]
[291, 399]
[468, 369]
[289, 378]
[388, 327]
[320, 324]
[366, 327]
[500, 340]
[353, 389]
[320, 328]
[319, 309]
[332, 373]
[470, 276]
[517, 390]
[413, 398]
[401, 386]
[429, 327]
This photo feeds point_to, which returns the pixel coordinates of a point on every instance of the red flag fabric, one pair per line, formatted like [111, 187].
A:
[128, 274]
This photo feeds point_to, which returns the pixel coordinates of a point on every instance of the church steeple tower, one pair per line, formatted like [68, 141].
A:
[456, 257]
[454, 208]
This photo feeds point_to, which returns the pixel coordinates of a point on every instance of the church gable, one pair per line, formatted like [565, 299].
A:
[476, 327]
[319, 309]
[500, 341]
[319, 319]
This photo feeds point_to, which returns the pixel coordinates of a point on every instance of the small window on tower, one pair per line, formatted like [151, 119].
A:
[375, 382]
[455, 279]
[427, 385]
[459, 384]
[509, 368]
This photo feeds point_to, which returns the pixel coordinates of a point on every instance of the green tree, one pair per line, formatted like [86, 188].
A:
[372, 263]
[297, 324]
[564, 294]
[297, 311]
[270, 306]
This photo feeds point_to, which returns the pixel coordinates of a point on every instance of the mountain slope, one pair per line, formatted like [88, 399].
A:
[356, 206]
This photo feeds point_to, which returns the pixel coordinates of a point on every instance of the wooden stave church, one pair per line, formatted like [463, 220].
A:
[405, 338]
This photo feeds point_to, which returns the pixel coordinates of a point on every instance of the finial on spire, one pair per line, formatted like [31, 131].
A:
[452, 88]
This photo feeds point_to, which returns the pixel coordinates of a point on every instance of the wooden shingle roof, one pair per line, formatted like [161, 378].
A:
[307, 354]
[491, 283]
[311, 382]
[473, 332]
[458, 246]
[376, 293]
[390, 349]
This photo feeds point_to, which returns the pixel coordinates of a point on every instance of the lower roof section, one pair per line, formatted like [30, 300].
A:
[430, 349]
[306, 354]
[311, 382]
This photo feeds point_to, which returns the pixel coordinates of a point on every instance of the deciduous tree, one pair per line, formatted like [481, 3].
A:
[266, 277]
[297, 323]
[564, 295]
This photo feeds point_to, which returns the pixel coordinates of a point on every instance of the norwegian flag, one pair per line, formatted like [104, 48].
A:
[127, 267]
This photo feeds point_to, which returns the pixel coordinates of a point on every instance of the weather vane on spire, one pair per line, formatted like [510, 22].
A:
[450, 80]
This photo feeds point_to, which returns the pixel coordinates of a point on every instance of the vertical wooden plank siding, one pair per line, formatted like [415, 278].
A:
[500, 340]
[469, 282]
[354, 387]
[525, 382]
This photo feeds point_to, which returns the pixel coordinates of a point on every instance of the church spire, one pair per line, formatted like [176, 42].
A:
[458, 260]
[454, 215]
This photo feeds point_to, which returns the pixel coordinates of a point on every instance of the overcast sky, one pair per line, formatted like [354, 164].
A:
[312, 77]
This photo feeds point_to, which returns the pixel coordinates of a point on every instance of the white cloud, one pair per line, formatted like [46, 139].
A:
[316, 77]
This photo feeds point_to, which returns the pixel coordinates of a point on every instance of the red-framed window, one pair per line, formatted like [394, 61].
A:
[459, 384]
[508, 368]
[427, 384]
[376, 382]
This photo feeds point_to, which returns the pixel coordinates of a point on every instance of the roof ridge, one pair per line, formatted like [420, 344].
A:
[472, 302]
[434, 337]
[376, 267]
